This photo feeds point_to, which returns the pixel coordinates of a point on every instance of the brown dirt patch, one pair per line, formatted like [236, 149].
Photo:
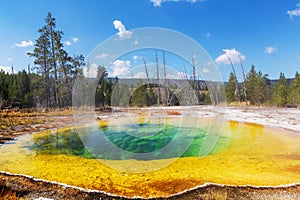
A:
[29, 188]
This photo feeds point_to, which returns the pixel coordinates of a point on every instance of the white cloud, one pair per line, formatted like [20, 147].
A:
[157, 3]
[295, 12]
[120, 68]
[140, 75]
[208, 34]
[102, 56]
[270, 50]
[6, 69]
[90, 71]
[68, 43]
[233, 54]
[205, 70]
[182, 75]
[75, 39]
[136, 41]
[123, 33]
[178, 75]
[9, 59]
[24, 44]
[136, 58]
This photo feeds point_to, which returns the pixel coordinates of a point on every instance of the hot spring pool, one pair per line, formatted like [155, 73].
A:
[151, 138]
[245, 154]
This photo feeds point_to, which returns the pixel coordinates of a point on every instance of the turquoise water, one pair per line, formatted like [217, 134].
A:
[136, 141]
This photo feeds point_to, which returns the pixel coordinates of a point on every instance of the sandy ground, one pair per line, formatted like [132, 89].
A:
[282, 118]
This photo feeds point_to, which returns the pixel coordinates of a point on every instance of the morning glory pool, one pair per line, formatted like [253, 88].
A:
[245, 154]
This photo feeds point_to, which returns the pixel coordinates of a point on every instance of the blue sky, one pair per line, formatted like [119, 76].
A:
[266, 33]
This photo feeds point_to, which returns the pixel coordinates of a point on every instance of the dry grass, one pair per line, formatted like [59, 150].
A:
[220, 195]
[10, 118]
[59, 112]
[7, 193]
[238, 104]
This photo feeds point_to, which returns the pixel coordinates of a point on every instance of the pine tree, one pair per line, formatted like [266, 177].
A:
[230, 89]
[48, 54]
[3, 85]
[42, 63]
[124, 96]
[54, 38]
[294, 91]
[280, 91]
[251, 85]
[25, 97]
[266, 90]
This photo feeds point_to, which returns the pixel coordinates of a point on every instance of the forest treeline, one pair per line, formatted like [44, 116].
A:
[258, 90]
[26, 90]
[49, 84]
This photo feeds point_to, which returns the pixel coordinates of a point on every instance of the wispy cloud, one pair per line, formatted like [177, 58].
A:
[208, 34]
[205, 70]
[75, 39]
[102, 56]
[24, 44]
[68, 43]
[233, 54]
[136, 58]
[9, 59]
[136, 41]
[139, 75]
[295, 12]
[158, 3]
[178, 75]
[123, 33]
[270, 50]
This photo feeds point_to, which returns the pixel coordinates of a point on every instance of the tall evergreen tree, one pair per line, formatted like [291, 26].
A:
[280, 91]
[54, 38]
[3, 85]
[266, 89]
[258, 87]
[49, 59]
[42, 63]
[294, 91]
[230, 89]
[251, 82]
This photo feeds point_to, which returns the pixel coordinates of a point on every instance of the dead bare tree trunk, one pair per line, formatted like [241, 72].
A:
[147, 75]
[165, 80]
[236, 92]
[158, 85]
[146, 70]
[244, 81]
[194, 78]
